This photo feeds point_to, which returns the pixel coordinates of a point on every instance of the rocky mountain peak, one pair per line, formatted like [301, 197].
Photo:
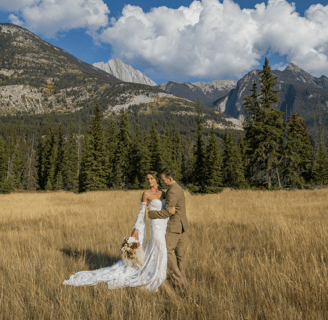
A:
[293, 67]
[124, 72]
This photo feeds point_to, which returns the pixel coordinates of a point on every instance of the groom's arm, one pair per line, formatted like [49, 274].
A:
[171, 201]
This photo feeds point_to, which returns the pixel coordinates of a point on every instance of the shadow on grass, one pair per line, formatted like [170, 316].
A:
[95, 260]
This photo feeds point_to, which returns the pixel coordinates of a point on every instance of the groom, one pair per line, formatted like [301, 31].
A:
[177, 227]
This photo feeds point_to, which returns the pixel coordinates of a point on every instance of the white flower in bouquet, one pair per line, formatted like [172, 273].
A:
[132, 240]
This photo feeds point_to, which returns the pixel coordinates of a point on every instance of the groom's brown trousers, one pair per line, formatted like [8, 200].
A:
[176, 261]
[175, 233]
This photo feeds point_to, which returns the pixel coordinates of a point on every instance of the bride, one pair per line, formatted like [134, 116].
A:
[153, 272]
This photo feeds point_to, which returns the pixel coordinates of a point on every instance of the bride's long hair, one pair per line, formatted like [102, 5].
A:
[155, 175]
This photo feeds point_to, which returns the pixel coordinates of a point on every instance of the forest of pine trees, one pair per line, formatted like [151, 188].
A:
[271, 155]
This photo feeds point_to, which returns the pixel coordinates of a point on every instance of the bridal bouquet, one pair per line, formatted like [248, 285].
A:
[132, 252]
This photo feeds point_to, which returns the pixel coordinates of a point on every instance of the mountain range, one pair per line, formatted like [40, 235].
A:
[300, 92]
[37, 78]
[207, 93]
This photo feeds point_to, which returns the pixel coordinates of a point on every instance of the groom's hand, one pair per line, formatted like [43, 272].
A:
[172, 210]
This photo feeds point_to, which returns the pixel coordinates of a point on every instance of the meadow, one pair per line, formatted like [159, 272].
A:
[250, 255]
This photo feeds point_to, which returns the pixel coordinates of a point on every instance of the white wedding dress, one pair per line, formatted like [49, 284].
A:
[153, 272]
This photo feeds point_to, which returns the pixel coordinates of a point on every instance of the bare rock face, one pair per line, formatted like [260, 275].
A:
[124, 72]
[207, 92]
[300, 92]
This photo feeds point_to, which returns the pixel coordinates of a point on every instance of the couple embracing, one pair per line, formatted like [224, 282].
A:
[164, 252]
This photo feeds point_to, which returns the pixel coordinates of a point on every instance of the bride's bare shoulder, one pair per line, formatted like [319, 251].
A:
[145, 196]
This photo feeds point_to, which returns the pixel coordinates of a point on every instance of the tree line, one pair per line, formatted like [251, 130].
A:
[272, 154]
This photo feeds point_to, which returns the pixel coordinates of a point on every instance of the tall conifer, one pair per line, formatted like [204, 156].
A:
[233, 168]
[213, 173]
[71, 171]
[187, 161]
[169, 154]
[97, 142]
[122, 160]
[111, 147]
[199, 153]
[40, 161]
[86, 175]
[177, 146]
[3, 159]
[140, 160]
[172, 151]
[321, 166]
[264, 130]
[156, 151]
[61, 158]
[49, 156]
[298, 154]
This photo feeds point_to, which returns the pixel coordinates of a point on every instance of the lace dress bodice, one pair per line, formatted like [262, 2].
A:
[151, 275]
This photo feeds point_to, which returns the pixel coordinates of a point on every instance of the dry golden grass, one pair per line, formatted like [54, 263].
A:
[250, 255]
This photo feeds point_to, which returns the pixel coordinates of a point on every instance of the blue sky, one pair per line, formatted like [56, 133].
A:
[182, 40]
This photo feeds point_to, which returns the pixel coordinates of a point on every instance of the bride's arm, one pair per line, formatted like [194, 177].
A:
[135, 230]
[139, 228]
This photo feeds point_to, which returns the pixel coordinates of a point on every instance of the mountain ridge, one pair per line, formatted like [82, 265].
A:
[124, 72]
[206, 92]
[37, 78]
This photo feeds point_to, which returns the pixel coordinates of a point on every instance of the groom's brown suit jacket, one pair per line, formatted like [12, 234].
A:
[174, 198]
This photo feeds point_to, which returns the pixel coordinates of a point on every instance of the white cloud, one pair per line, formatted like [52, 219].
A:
[14, 19]
[50, 16]
[218, 40]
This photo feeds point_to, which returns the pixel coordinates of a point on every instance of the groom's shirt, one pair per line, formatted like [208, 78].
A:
[174, 198]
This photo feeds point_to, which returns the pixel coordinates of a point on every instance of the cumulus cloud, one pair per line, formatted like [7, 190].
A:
[14, 19]
[219, 40]
[50, 16]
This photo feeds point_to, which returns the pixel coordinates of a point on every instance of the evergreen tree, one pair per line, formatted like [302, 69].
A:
[14, 164]
[233, 169]
[172, 151]
[111, 147]
[3, 160]
[243, 150]
[122, 160]
[61, 165]
[140, 160]
[49, 156]
[70, 179]
[187, 161]
[145, 160]
[29, 171]
[213, 173]
[199, 153]
[40, 162]
[85, 176]
[4, 155]
[321, 166]
[17, 165]
[264, 130]
[178, 155]
[97, 143]
[298, 154]
[59, 185]
[168, 154]
[156, 153]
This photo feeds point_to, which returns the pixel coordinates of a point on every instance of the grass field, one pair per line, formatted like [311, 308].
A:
[250, 255]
